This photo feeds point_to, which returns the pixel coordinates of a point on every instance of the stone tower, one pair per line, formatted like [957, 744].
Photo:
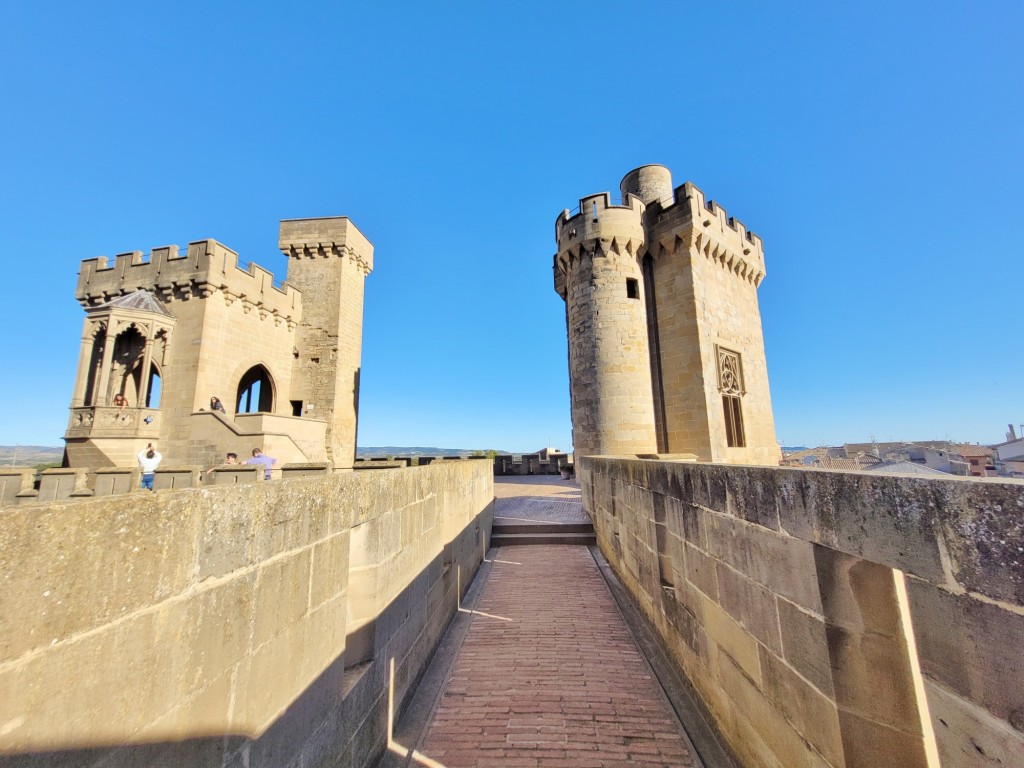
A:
[693, 274]
[597, 272]
[328, 261]
[169, 332]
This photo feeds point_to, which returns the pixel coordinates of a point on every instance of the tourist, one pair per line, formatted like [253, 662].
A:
[149, 460]
[217, 405]
[121, 402]
[232, 458]
[258, 457]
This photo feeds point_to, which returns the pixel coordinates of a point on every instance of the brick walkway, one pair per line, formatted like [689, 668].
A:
[549, 675]
[537, 498]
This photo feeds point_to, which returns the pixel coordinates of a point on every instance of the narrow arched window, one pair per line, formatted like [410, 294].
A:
[255, 392]
[153, 389]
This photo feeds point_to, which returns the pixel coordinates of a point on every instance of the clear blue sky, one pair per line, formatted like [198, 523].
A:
[876, 147]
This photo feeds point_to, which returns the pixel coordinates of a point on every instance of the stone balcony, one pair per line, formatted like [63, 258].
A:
[110, 421]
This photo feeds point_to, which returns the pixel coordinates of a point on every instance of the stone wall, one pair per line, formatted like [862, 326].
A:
[252, 624]
[787, 597]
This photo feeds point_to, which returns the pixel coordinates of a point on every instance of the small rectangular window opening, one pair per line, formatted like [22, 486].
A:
[314, 360]
[296, 407]
[632, 288]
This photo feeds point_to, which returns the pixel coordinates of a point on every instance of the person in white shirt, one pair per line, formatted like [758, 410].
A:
[149, 460]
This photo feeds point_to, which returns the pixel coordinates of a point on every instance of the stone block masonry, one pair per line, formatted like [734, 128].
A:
[249, 624]
[829, 619]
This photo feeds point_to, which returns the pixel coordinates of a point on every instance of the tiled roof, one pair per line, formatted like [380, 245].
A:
[971, 450]
[836, 463]
[140, 301]
[904, 468]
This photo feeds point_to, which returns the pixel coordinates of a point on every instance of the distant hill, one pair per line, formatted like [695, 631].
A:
[29, 455]
[793, 448]
[376, 452]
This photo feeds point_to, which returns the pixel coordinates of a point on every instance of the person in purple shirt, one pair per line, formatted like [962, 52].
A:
[258, 457]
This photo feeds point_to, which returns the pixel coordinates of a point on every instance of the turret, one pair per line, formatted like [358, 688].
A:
[651, 183]
[329, 259]
[598, 275]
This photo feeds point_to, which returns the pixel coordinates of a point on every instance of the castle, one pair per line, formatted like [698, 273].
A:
[817, 617]
[169, 333]
[666, 354]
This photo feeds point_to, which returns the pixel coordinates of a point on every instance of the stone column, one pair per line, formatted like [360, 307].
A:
[108, 359]
[147, 361]
[84, 358]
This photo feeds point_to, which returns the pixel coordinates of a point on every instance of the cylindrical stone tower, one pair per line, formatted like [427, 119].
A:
[648, 182]
[598, 275]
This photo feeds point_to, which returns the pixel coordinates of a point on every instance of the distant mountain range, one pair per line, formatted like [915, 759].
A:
[29, 455]
[376, 452]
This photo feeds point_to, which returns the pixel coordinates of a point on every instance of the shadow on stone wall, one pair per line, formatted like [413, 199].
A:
[340, 717]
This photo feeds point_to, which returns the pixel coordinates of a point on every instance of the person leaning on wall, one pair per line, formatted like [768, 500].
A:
[231, 458]
[260, 458]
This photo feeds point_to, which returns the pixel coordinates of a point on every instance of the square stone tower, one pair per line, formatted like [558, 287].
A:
[329, 260]
[691, 272]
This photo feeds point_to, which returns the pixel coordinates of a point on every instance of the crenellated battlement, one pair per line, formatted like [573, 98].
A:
[598, 219]
[331, 236]
[705, 224]
[206, 268]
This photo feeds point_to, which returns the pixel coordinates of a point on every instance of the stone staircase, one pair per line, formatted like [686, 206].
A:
[527, 532]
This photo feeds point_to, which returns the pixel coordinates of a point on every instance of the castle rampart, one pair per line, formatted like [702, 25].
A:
[244, 625]
[826, 618]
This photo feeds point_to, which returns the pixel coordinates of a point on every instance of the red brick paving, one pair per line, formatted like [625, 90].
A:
[537, 498]
[551, 677]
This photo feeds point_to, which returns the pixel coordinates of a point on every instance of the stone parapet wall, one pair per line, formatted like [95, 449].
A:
[787, 597]
[254, 624]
